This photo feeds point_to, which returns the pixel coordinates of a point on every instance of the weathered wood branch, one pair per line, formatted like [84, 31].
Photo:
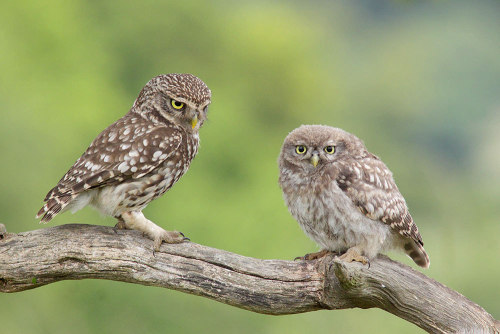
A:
[69, 252]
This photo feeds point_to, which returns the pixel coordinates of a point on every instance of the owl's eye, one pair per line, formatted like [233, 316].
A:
[300, 149]
[177, 105]
[329, 149]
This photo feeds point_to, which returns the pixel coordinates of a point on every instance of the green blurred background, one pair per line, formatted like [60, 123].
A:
[419, 82]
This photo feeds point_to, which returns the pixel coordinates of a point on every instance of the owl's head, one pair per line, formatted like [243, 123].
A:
[313, 147]
[181, 99]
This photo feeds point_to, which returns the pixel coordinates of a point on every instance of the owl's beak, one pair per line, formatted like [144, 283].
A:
[315, 159]
[194, 121]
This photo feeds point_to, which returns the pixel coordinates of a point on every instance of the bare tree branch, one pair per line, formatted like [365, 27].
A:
[69, 252]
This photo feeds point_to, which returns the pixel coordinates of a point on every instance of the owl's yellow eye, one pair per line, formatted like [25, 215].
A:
[177, 105]
[300, 149]
[329, 149]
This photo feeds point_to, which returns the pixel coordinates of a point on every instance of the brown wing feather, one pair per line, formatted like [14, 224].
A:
[129, 148]
[370, 185]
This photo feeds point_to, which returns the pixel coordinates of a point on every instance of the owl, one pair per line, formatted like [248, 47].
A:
[138, 157]
[344, 197]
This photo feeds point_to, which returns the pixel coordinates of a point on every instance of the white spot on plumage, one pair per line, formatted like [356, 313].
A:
[125, 146]
[123, 167]
[369, 207]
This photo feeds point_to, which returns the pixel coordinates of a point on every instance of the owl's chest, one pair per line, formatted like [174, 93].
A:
[327, 215]
[171, 170]
[321, 205]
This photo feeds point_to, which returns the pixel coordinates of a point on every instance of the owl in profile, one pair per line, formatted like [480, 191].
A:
[344, 197]
[137, 158]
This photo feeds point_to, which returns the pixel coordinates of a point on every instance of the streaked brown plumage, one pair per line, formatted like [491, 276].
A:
[137, 158]
[344, 197]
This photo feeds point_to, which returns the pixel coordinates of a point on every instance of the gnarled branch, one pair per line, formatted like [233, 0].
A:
[69, 252]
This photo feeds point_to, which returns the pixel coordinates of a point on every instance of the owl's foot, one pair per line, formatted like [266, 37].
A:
[170, 237]
[313, 256]
[135, 220]
[353, 254]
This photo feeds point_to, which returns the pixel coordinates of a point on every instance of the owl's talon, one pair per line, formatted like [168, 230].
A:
[3, 231]
[184, 237]
[120, 226]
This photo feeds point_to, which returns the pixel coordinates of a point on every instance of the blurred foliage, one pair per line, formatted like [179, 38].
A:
[418, 81]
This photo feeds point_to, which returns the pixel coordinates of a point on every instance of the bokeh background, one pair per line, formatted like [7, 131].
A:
[419, 82]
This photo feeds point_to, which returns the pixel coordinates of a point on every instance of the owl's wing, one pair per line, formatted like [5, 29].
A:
[370, 185]
[117, 154]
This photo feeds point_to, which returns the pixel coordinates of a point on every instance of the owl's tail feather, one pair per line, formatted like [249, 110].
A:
[417, 252]
[53, 207]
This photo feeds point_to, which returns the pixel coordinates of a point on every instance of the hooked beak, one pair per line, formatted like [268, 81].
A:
[194, 121]
[315, 159]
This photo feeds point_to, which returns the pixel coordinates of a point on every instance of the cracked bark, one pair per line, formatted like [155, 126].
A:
[70, 252]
